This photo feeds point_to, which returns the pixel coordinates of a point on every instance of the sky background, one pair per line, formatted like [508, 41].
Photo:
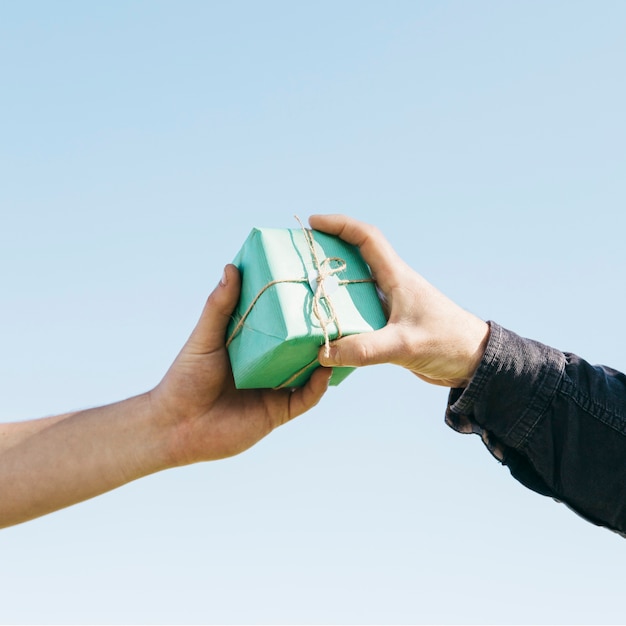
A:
[140, 142]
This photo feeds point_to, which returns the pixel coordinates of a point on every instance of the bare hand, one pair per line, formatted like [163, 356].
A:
[212, 418]
[426, 333]
[194, 414]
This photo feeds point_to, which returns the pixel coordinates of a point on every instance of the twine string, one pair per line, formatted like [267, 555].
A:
[242, 320]
[324, 270]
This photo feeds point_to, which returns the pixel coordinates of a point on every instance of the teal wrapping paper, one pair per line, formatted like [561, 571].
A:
[275, 334]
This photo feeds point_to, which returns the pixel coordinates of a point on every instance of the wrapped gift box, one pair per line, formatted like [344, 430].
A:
[300, 289]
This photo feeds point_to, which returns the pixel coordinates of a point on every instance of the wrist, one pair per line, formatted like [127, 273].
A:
[478, 339]
[169, 431]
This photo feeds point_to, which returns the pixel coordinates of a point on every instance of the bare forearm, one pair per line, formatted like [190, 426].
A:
[194, 414]
[51, 463]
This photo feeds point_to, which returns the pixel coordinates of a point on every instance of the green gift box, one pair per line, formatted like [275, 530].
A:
[300, 289]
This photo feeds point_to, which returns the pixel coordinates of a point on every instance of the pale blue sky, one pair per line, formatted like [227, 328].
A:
[139, 144]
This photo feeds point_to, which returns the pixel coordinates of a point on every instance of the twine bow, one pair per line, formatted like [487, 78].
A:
[324, 270]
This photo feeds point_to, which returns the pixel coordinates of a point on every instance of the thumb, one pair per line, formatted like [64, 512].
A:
[209, 333]
[369, 348]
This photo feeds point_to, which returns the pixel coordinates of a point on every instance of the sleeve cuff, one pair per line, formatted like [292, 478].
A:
[510, 392]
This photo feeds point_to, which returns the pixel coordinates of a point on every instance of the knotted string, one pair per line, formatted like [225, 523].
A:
[324, 269]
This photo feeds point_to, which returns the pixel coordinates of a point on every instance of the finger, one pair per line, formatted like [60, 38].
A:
[372, 348]
[376, 250]
[210, 331]
[305, 398]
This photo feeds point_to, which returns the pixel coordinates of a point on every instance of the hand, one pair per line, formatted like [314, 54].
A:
[194, 414]
[426, 332]
[212, 419]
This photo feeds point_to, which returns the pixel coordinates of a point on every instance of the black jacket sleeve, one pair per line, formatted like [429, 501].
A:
[556, 421]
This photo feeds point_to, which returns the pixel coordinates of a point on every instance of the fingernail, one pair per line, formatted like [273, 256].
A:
[223, 279]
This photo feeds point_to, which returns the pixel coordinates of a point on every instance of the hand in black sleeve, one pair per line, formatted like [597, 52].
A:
[558, 423]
